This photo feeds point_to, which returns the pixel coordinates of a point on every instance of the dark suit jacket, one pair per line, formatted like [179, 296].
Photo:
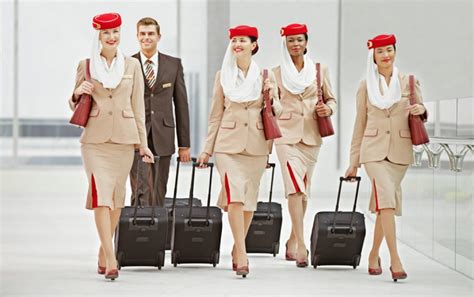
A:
[169, 88]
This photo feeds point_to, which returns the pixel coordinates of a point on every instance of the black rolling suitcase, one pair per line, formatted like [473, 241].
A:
[140, 236]
[196, 230]
[265, 229]
[337, 237]
[171, 203]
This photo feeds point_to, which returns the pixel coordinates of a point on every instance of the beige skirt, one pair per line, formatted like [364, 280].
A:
[107, 167]
[240, 179]
[297, 163]
[386, 178]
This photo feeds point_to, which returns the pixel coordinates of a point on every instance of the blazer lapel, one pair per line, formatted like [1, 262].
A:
[159, 76]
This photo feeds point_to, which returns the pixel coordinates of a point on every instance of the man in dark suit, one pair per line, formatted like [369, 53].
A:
[164, 85]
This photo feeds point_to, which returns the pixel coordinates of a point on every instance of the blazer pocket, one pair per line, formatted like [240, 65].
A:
[228, 125]
[168, 123]
[94, 113]
[285, 116]
[128, 114]
[371, 132]
[129, 76]
[260, 125]
[404, 133]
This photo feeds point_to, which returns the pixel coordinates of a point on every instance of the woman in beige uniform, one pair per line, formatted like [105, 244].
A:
[116, 126]
[382, 142]
[298, 148]
[236, 137]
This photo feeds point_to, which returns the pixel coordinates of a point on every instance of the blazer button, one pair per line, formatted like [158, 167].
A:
[246, 108]
[246, 124]
[388, 132]
[110, 113]
[388, 116]
[302, 114]
[152, 112]
[152, 95]
[110, 96]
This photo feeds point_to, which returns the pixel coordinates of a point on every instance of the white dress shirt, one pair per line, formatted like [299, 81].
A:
[154, 60]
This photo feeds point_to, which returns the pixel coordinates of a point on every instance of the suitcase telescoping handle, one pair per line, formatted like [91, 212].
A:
[341, 179]
[269, 211]
[153, 194]
[191, 191]
[175, 192]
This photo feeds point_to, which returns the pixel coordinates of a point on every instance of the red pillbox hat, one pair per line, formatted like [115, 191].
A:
[243, 31]
[381, 40]
[293, 29]
[106, 21]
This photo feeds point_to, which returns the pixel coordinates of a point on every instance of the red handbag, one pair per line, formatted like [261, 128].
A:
[83, 105]
[416, 122]
[324, 123]
[270, 125]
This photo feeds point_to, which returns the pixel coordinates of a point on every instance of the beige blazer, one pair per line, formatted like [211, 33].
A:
[298, 119]
[383, 133]
[235, 127]
[117, 115]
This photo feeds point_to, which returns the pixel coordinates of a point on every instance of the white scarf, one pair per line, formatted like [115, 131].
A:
[110, 78]
[294, 81]
[237, 87]
[391, 94]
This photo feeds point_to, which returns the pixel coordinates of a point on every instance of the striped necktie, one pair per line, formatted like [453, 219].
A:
[150, 74]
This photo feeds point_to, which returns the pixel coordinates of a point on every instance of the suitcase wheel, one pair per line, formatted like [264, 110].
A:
[119, 260]
[174, 258]
[161, 260]
[315, 262]
[276, 248]
[215, 260]
[356, 261]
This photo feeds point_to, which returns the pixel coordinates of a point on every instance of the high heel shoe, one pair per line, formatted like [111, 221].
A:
[376, 271]
[304, 263]
[243, 271]
[234, 265]
[100, 269]
[112, 274]
[398, 275]
[288, 256]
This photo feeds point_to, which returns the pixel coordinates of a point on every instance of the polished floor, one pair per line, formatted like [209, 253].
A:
[48, 248]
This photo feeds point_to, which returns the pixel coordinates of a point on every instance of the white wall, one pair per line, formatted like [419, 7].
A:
[434, 42]
[54, 36]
